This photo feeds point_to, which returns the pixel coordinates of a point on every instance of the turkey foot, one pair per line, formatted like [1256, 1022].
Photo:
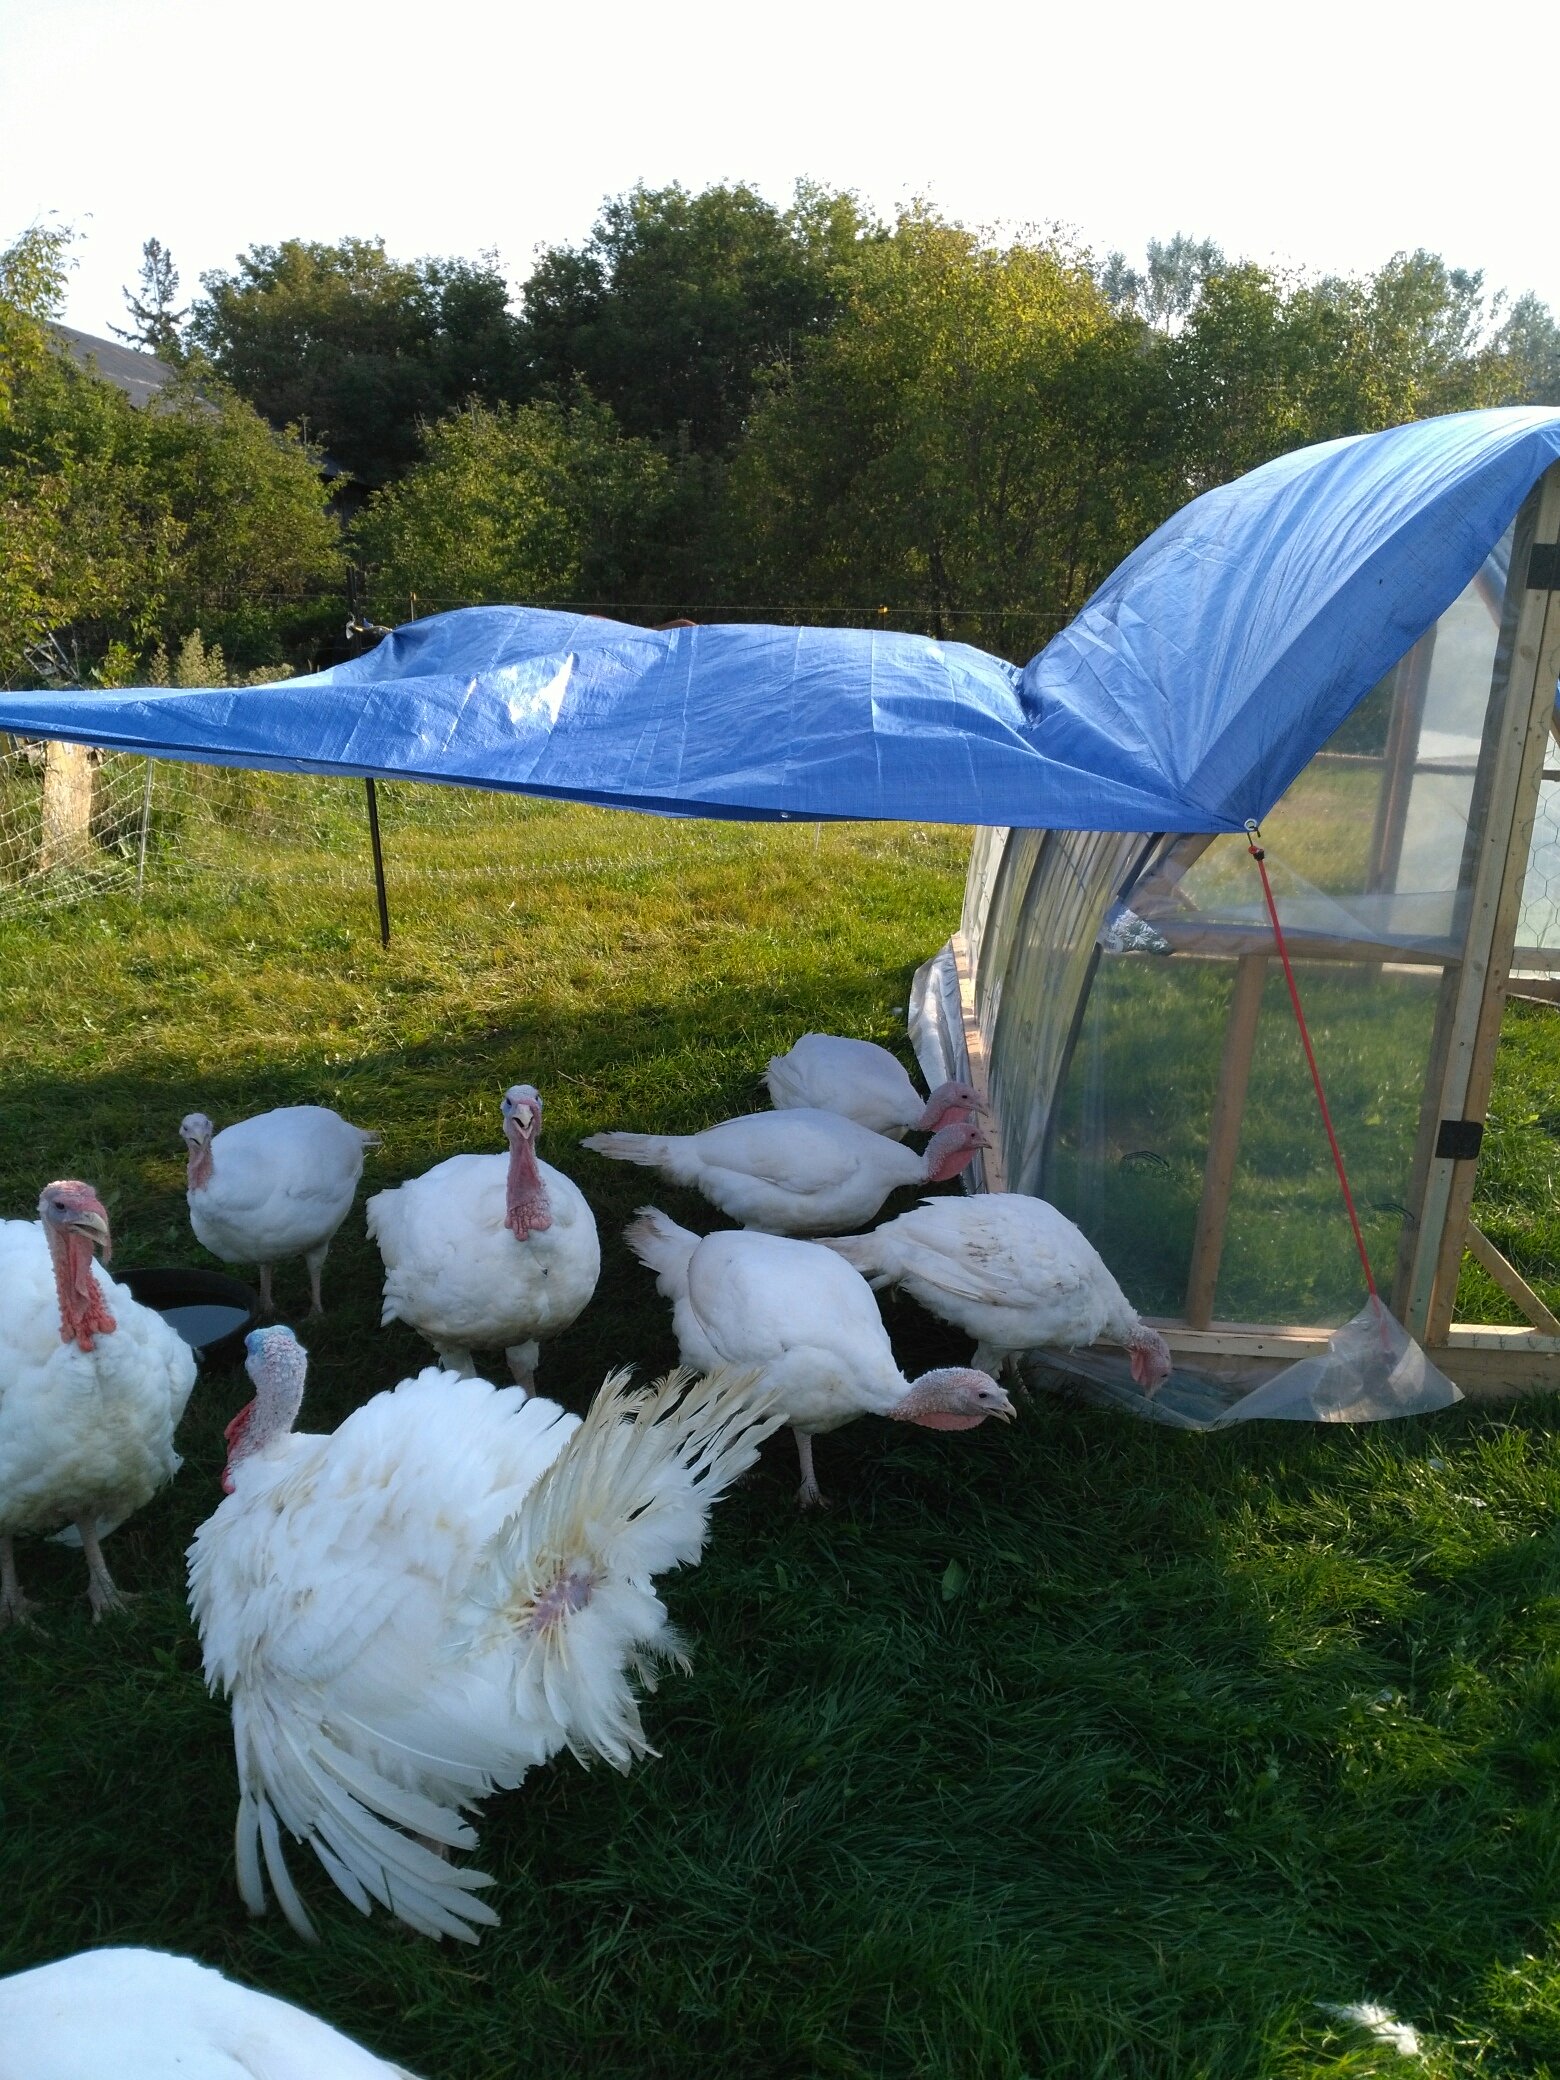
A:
[15, 1608]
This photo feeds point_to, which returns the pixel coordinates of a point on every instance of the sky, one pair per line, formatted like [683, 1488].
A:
[1327, 137]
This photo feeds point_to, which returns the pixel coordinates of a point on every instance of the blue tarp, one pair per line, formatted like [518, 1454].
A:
[1186, 695]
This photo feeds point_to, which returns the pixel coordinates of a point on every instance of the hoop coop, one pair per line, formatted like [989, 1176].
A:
[1118, 994]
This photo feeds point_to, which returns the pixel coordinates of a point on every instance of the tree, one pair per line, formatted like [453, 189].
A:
[33, 272]
[356, 348]
[119, 526]
[1527, 346]
[973, 442]
[156, 323]
[1264, 364]
[676, 303]
[537, 502]
[1169, 287]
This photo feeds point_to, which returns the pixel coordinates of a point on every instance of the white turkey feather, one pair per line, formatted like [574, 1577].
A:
[460, 1277]
[417, 1609]
[796, 1172]
[82, 1432]
[147, 2015]
[1010, 1270]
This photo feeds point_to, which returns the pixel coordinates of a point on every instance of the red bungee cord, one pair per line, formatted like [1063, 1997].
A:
[1257, 853]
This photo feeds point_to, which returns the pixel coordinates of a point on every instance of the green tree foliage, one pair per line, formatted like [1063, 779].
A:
[1163, 292]
[155, 322]
[358, 348]
[533, 502]
[975, 439]
[1263, 365]
[676, 303]
[120, 525]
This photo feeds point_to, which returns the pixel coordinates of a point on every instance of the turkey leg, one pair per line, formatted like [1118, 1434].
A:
[15, 1608]
[101, 1593]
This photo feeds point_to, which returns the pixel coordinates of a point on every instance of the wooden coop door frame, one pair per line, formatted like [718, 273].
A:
[1463, 1055]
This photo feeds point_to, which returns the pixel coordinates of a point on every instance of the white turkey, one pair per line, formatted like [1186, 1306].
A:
[278, 1185]
[826, 1072]
[414, 1611]
[809, 1324]
[488, 1251]
[146, 2015]
[1013, 1273]
[800, 1172]
[92, 1386]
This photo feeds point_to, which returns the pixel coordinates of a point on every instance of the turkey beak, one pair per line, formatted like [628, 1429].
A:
[1007, 1413]
[95, 1227]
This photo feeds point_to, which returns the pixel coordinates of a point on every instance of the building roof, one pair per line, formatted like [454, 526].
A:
[139, 376]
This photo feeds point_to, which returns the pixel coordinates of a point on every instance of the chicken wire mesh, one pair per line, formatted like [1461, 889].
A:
[76, 824]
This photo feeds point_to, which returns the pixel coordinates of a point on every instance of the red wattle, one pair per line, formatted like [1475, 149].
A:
[84, 1314]
[528, 1211]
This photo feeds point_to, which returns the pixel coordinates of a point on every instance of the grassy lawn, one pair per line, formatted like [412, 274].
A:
[1075, 1748]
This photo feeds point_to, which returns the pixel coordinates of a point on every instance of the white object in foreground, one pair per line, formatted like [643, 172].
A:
[811, 1326]
[1013, 1273]
[278, 1185]
[147, 2015]
[412, 1612]
[92, 1386]
[486, 1252]
[795, 1173]
[827, 1072]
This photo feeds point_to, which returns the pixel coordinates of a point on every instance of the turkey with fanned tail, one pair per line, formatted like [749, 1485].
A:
[412, 1612]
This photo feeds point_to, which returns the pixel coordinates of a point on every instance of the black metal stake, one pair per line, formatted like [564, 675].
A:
[379, 863]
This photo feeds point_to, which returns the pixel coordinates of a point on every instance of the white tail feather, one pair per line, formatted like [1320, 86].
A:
[662, 1247]
[654, 1151]
[568, 1579]
[785, 1087]
[866, 1253]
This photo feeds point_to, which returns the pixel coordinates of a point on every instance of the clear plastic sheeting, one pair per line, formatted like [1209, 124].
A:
[1370, 1372]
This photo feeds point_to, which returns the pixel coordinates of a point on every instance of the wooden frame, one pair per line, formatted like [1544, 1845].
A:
[1229, 1109]
[1514, 763]
[978, 1063]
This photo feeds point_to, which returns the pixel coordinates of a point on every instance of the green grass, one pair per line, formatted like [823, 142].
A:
[1077, 1747]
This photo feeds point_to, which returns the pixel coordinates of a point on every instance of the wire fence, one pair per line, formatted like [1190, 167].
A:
[76, 824]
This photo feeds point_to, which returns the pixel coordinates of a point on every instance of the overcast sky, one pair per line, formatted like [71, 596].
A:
[1329, 136]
